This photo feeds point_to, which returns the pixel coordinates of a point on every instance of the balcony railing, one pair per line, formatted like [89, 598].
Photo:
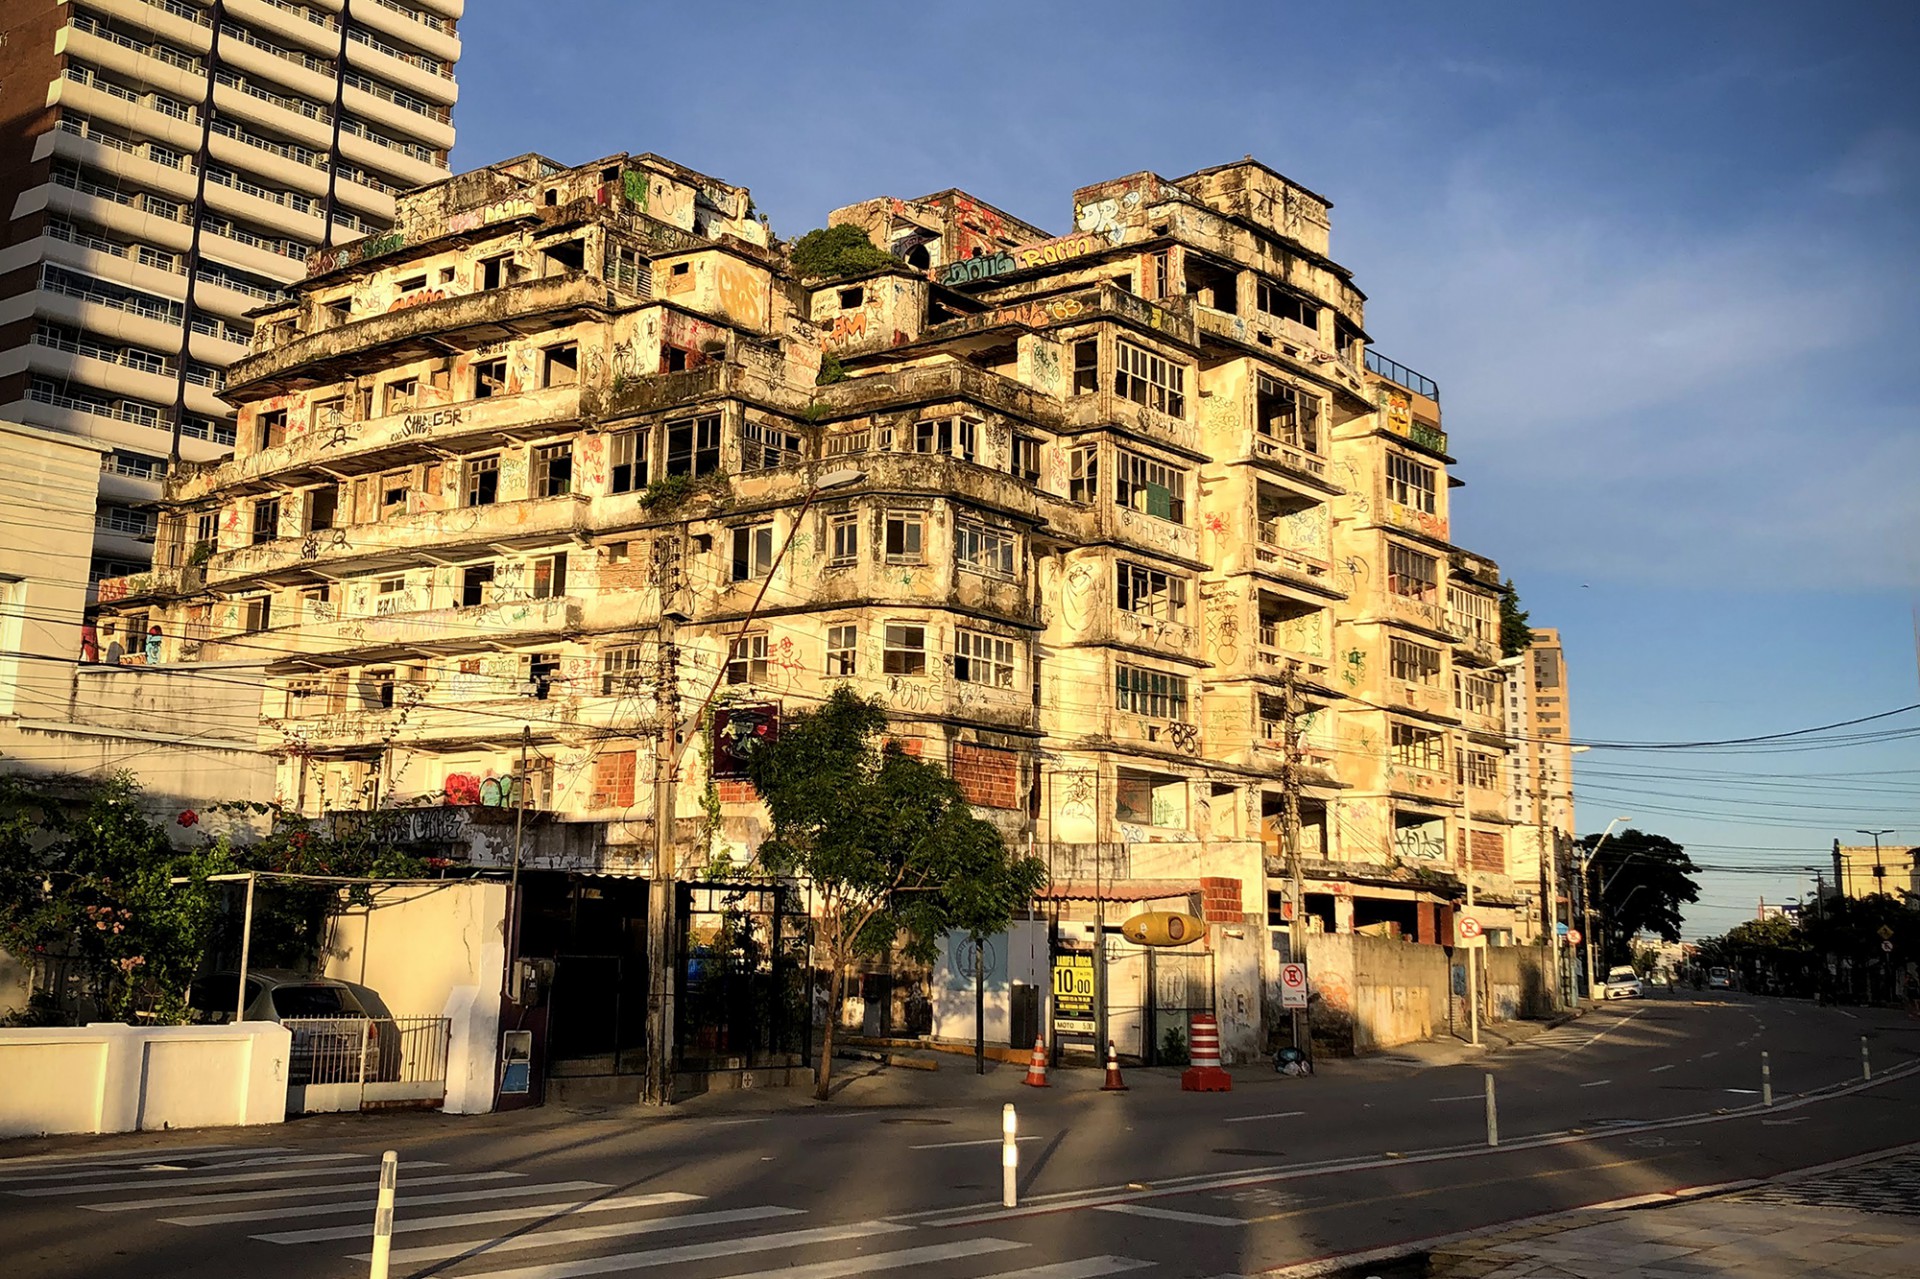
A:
[1290, 456]
[1394, 371]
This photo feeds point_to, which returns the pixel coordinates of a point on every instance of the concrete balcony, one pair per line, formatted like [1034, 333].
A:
[1428, 615]
[665, 392]
[432, 35]
[1286, 566]
[361, 548]
[1426, 699]
[463, 322]
[323, 637]
[1104, 408]
[446, 725]
[935, 384]
[1413, 520]
[1293, 463]
[1106, 302]
[1473, 650]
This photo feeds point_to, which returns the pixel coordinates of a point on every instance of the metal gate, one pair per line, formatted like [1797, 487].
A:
[363, 1063]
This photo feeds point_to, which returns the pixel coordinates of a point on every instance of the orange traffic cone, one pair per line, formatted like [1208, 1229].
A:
[1114, 1082]
[1037, 1068]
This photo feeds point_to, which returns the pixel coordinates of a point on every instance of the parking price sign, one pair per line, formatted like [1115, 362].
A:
[1073, 993]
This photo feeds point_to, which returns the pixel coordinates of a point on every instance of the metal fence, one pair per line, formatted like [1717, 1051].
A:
[366, 1051]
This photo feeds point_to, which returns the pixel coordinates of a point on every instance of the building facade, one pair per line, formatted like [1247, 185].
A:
[171, 165]
[1128, 527]
[1863, 870]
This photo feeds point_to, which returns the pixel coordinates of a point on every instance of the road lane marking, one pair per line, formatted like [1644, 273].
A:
[1461, 1185]
[1465, 1096]
[929, 1255]
[1169, 1214]
[1781, 1123]
[1745, 1092]
[956, 1145]
[1598, 1083]
[105, 1159]
[1084, 1268]
[1657, 1069]
[363, 1201]
[1278, 1114]
[358, 1230]
[233, 1159]
[484, 1248]
[1844, 1013]
[275, 1174]
[297, 1192]
[1714, 1053]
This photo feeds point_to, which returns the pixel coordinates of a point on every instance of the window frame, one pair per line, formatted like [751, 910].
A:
[1410, 746]
[1151, 694]
[1147, 377]
[1401, 558]
[1412, 662]
[1412, 483]
[636, 443]
[747, 659]
[983, 658]
[547, 576]
[843, 650]
[916, 521]
[843, 540]
[1165, 594]
[701, 455]
[1083, 474]
[626, 670]
[1133, 487]
[911, 659]
[475, 472]
[752, 552]
[546, 460]
[986, 550]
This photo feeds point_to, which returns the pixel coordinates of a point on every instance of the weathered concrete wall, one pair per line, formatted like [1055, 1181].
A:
[113, 1078]
[434, 950]
[1375, 992]
[1520, 982]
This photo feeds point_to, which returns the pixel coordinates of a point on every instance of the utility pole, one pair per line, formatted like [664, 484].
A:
[513, 882]
[661, 943]
[1473, 944]
[1550, 855]
[1290, 826]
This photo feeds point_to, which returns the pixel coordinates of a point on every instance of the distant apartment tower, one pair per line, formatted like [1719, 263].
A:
[1540, 785]
[168, 164]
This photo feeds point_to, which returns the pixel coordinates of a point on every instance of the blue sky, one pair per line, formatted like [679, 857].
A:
[1659, 257]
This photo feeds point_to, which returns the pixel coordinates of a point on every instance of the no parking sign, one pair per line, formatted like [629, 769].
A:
[1293, 985]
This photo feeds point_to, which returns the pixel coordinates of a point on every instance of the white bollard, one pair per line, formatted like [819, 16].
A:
[1866, 1066]
[383, 1215]
[1493, 1116]
[1766, 1081]
[1009, 1156]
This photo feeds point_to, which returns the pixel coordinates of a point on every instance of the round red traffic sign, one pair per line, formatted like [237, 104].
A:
[1293, 975]
[1469, 926]
[1573, 936]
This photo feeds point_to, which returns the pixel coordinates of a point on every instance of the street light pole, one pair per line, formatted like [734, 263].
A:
[1879, 871]
[1586, 889]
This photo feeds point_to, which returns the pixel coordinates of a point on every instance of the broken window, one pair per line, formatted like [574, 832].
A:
[476, 585]
[1149, 799]
[957, 436]
[1411, 747]
[568, 255]
[1411, 574]
[1413, 663]
[1024, 459]
[553, 469]
[550, 576]
[693, 446]
[402, 394]
[1151, 486]
[266, 520]
[905, 650]
[906, 537]
[1476, 694]
[1154, 694]
[394, 487]
[1083, 473]
[538, 671]
[979, 658]
[256, 613]
[851, 299]
[1284, 304]
[1151, 593]
[271, 428]
[843, 649]
[764, 446]
[322, 506]
[629, 269]
[752, 552]
[1411, 483]
[1284, 412]
[560, 365]
[489, 378]
[747, 660]
[980, 549]
[843, 540]
[1086, 366]
[1153, 380]
[625, 671]
[627, 455]
[482, 480]
[1212, 284]
[496, 272]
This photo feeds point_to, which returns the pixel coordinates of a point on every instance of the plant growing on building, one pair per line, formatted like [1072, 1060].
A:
[1516, 637]
[831, 371]
[835, 251]
[894, 853]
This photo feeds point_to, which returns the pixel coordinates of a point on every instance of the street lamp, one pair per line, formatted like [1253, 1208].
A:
[669, 752]
[1586, 887]
[1879, 871]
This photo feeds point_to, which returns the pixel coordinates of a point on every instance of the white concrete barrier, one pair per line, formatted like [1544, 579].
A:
[109, 1077]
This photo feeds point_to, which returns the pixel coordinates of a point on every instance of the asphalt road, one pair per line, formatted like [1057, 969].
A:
[1638, 1098]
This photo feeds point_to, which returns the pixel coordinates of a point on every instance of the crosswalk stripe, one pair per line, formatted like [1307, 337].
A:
[158, 1181]
[1171, 1214]
[364, 1197]
[550, 1238]
[405, 1225]
[833, 1269]
[928, 1255]
[107, 1157]
[1084, 1268]
[296, 1192]
[230, 1159]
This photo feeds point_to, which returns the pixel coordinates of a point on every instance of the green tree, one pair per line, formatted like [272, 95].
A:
[1515, 635]
[1640, 883]
[835, 251]
[894, 853]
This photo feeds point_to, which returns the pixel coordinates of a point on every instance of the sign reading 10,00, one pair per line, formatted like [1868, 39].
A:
[1073, 993]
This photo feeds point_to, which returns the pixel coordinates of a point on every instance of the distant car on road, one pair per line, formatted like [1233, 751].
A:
[1719, 979]
[1622, 983]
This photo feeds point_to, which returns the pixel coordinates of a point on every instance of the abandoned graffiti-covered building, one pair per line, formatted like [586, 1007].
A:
[1102, 517]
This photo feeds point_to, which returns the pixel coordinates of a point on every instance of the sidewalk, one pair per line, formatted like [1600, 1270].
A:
[1859, 1219]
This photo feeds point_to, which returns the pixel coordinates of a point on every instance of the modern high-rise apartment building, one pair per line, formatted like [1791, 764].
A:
[168, 166]
[1540, 783]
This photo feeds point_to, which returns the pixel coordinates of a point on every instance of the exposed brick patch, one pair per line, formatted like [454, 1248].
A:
[737, 792]
[1489, 850]
[987, 775]
[1220, 900]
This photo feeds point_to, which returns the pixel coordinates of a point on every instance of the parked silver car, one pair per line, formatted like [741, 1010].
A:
[334, 1039]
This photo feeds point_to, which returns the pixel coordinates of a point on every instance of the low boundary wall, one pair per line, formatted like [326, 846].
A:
[109, 1077]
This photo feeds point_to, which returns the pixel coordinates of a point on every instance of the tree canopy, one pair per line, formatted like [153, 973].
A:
[835, 251]
[895, 853]
[1640, 882]
[1516, 636]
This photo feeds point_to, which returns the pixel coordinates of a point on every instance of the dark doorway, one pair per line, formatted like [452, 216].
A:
[743, 965]
[595, 932]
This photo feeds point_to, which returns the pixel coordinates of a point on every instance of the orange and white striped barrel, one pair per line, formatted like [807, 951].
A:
[1203, 1050]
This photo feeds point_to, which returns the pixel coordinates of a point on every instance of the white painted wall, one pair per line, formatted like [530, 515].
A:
[1018, 955]
[434, 950]
[109, 1077]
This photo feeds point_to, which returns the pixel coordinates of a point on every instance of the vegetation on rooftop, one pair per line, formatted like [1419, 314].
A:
[832, 252]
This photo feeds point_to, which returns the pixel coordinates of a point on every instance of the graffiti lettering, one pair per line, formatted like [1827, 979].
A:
[423, 423]
[1185, 737]
[406, 300]
[968, 270]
